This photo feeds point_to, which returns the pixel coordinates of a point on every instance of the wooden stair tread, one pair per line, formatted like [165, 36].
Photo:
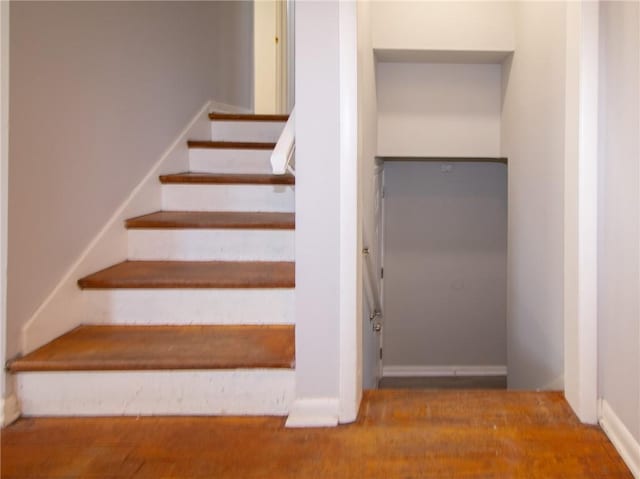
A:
[193, 274]
[91, 348]
[234, 145]
[227, 179]
[246, 117]
[213, 219]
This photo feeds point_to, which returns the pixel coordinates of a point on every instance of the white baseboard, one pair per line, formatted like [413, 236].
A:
[619, 435]
[226, 108]
[66, 307]
[9, 410]
[314, 412]
[436, 371]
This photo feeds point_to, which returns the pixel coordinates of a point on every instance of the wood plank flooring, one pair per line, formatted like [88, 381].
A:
[102, 348]
[399, 434]
[190, 177]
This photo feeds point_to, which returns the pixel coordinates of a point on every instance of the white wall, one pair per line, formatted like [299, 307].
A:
[99, 91]
[619, 234]
[533, 125]
[451, 25]
[445, 255]
[317, 205]
[439, 109]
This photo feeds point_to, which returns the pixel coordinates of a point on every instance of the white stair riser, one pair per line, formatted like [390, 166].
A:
[115, 393]
[205, 244]
[190, 306]
[258, 131]
[208, 160]
[195, 197]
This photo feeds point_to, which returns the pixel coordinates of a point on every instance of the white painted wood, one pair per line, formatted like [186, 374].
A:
[65, 307]
[192, 197]
[212, 160]
[283, 153]
[437, 371]
[581, 211]
[222, 107]
[189, 306]
[213, 244]
[314, 412]
[9, 410]
[620, 436]
[351, 300]
[259, 131]
[133, 393]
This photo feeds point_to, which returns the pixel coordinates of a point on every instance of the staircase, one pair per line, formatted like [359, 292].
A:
[199, 319]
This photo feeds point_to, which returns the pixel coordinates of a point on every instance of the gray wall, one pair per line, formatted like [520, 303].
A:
[618, 300]
[445, 252]
[533, 125]
[98, 91]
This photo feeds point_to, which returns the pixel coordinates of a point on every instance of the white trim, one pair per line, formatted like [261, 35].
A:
[314, 412]
[581, 210]
[9, 410]
[445, 371]
[350, 345]
[620, 436]
[157, 392]
[65, 307]
[221, 107]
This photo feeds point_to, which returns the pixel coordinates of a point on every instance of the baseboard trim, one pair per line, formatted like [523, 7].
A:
[439, 371]
[620, 436]
[314, 412]
[9, 409]
[65, 307]
[227, 108]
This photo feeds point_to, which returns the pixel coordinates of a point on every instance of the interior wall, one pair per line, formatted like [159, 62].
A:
[532, 137]
[439, 109]
[370, 179]
[98, 91]
[445, 253]
[451, 25]
[618, 266]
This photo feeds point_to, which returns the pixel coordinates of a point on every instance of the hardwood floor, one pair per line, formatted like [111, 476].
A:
[399, 434]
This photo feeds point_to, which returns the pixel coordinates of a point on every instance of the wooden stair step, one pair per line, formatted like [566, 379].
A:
[213, 219]
[228, 145]
[246, 117]
[227, 179]
[193, 274]
[100, 348]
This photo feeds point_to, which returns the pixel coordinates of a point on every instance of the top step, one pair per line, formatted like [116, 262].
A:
[215, 116]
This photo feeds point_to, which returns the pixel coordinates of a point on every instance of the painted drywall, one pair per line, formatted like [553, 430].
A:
[619, 234]
[370, 175]
[264, 56]
[532, 137]
[317, 222]
[99, 91]
[438, 109]
[445, 253]
[451, 25]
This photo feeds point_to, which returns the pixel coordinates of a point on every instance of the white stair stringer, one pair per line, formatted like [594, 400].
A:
[246, 131]
[190, 306]
[211, 244]
[162, 392]
[230, 160]
[228, 197]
